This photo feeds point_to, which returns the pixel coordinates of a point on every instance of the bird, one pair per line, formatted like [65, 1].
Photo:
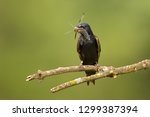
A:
[88, 47]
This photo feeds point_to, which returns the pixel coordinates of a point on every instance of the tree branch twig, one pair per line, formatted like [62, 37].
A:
[103, 71]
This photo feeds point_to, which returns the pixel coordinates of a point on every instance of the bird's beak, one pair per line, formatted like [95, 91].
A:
[77, 30]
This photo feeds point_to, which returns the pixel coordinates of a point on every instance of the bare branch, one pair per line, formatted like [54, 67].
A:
[40, 75]
[103, 71]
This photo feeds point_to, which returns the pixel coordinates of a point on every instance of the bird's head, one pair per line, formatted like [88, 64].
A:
[84, 29]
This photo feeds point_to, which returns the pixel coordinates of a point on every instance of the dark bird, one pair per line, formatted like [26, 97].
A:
[88, 47]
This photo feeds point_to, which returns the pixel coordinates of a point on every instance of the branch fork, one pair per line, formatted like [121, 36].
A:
[102, 72]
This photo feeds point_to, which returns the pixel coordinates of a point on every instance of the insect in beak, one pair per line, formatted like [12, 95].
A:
[75, 35]
[76, 31]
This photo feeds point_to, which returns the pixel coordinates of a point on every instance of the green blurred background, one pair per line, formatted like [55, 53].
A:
[33, 36]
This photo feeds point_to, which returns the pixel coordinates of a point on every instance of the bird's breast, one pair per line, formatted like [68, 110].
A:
[89, 52]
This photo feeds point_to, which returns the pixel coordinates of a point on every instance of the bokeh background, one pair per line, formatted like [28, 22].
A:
[38, 34]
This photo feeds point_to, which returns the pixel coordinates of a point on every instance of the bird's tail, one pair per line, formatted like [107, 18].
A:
[89, 73]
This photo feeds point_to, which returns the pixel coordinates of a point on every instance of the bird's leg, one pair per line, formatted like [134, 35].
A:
[81, 63]
[97, 65]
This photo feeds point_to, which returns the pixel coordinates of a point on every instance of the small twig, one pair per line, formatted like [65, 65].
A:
[103, 72]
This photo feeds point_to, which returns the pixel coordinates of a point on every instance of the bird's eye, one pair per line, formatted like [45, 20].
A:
[80, 26]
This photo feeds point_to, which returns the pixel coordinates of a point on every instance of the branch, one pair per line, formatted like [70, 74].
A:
[103, 71]
[40, 75]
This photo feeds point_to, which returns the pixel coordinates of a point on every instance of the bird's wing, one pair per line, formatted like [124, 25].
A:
[98, 46]
[79, 49]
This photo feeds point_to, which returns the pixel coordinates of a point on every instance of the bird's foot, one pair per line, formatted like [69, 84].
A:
[81, 63]
[98, 67]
